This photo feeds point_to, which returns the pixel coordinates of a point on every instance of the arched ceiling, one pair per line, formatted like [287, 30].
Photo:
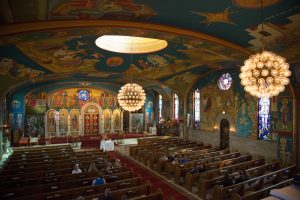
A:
[43, 41]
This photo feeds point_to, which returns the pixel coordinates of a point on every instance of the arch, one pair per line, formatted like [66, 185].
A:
[74, 120]
[117, 119]
[63, 121]
[91, 120]
[228, 117]
[50, 121]
[107, 120]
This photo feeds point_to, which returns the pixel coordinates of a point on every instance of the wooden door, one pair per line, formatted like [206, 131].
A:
[224, 134]
[91, 120]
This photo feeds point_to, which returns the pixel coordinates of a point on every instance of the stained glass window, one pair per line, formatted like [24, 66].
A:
[264, 118]
[225, 81]
[83, 95]
[197, 109]
[160, 107]
[176, 106]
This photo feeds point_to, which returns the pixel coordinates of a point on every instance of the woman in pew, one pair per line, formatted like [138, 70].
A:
[76, 169]
[99, 180]
[108, 194]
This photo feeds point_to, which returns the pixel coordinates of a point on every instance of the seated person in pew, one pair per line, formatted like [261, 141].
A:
[243, 176]
[109, 166]
[163, 158]
[117, 164]
[124, 197]
[174, 161]
[93, 167]
[80, 198]
[76, 169]
[99, 180]
[108, 195]
[182, 160]
[228, 181]
[197, 169]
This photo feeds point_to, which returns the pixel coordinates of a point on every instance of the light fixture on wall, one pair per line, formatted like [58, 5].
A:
[264, 74]
[131, 97]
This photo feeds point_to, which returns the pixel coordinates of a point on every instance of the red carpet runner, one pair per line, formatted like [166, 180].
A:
[156, 182]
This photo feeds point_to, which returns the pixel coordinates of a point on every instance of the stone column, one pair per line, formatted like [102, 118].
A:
[185, 111]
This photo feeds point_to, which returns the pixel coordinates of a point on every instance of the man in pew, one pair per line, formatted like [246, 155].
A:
[243, 176]
[76, 169]
[108, 195]
[197, 168]
[228, 181]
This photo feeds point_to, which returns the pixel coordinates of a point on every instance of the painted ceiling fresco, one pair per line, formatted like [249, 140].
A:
[68, 52]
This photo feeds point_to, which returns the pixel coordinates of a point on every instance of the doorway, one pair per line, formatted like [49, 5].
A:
[91, 120]
[224, 134]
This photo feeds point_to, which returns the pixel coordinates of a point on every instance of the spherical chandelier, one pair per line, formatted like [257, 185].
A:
[265, 74]
[131, 97]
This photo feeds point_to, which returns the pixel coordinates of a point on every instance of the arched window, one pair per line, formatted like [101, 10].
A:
[160, 107]
[264, 118]
[176, 106]
[197, 109]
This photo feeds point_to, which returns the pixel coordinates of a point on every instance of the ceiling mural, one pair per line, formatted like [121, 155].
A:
[225, 33]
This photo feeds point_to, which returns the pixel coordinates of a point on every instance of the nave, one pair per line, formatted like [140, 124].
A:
[148, 171]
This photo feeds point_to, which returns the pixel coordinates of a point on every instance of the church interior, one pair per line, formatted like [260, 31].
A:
[165, 99]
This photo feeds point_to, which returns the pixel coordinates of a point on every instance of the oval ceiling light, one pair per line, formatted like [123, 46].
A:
[130, 44]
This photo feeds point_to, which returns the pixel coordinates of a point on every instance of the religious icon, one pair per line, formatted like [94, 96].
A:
[117, 119]
[284, 113]
[63, 122]
[106, 119]
[51, 121]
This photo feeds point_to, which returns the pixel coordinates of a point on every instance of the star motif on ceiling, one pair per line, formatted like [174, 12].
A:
[216, 17]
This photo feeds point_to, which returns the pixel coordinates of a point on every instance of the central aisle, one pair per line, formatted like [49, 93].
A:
[156, 181]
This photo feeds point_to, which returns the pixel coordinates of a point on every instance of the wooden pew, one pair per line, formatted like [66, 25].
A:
[85, 190]
[58, 182]
[161, 164]
[15, 178]
[257, 183]
[206, 184]
[132, 192]
[41, 168]
[154, 196]
[192, 179]
[263, 192]
[148, 154]
[154, 157]
[182, 169]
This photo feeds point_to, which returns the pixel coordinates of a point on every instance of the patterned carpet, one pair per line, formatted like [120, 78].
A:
[156, 181]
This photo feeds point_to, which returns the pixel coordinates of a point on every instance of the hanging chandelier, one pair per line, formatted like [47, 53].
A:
[264, 74]
[131, 97]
